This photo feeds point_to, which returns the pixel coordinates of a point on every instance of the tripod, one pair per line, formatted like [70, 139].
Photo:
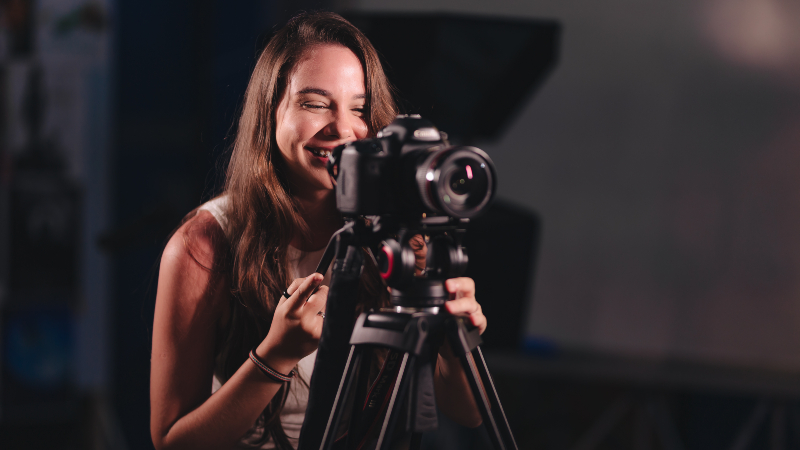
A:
[412, 331]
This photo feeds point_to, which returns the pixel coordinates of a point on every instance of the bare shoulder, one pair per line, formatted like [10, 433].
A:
[199, 240]
[193, 263]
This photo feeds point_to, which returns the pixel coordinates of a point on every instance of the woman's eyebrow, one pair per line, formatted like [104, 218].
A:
[311, 90]
[324, 93]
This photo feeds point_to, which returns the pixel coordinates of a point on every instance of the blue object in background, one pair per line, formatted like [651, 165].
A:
[540, 346]
[37, 348]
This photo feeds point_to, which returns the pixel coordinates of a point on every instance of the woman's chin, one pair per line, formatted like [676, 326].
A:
[324, 187]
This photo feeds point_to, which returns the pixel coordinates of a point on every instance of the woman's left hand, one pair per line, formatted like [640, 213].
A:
[462, 301]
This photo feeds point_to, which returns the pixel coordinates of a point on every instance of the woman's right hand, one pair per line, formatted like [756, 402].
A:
[296, 325]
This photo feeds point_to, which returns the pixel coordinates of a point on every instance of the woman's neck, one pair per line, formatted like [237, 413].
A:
[323, 219]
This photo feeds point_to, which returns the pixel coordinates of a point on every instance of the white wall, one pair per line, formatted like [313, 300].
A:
[663, 154]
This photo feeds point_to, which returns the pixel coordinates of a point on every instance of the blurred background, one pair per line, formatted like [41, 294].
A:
[643, 290]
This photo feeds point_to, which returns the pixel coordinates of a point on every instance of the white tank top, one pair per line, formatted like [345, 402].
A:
[302, 264]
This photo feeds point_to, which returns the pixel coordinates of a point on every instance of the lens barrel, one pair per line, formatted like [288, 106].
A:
[457, 181]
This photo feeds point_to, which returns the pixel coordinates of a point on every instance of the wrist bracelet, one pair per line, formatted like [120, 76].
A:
[269, 371]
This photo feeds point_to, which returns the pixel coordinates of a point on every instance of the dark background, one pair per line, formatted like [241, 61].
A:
[650, 185]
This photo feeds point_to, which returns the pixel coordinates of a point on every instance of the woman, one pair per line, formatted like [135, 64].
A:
[223, 275]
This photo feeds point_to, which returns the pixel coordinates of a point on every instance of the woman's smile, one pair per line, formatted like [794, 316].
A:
[322, 153]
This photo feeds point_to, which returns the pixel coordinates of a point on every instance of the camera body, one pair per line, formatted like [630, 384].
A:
[409, 170]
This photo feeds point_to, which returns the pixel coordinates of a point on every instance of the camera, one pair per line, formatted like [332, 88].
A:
[410, 169]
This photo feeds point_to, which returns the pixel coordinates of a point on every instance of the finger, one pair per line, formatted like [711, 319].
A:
[313, 312]
[420, 249]
[318, 301]
[463, 307]
[290, 290]
[417, 243]
[460, 287]
[316, 331]
[479, 321]
[305, 290]
[468, 307]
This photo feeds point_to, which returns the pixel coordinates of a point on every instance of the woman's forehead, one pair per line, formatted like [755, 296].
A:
[328, 67]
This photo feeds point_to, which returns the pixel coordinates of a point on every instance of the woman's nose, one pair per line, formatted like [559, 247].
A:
[340, 126]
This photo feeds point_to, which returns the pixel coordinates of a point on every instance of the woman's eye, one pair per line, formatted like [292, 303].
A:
[313, 106]
[359, 111]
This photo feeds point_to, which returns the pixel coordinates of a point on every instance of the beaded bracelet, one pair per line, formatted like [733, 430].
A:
[269, 371]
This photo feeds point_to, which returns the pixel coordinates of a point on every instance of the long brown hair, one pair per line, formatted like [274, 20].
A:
[263, 217]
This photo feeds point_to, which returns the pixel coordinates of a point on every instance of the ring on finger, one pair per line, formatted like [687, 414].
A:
[286, 293]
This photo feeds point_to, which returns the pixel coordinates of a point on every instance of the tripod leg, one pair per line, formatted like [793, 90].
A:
[355, 429]
[466, 345]
[422, 413]
[353, 362]
[494, 399]
[482, 400]
[389, 422]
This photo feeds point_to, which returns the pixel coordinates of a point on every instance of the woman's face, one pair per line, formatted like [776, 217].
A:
[321, 108]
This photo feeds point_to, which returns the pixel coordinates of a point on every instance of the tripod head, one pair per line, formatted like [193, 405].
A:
[445, 257]
[395, 258]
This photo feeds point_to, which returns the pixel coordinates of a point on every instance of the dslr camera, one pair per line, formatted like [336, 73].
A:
[409, 170]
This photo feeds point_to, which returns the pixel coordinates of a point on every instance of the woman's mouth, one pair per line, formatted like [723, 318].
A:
[320, 152]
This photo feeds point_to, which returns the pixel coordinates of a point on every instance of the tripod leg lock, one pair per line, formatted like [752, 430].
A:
[462, 340]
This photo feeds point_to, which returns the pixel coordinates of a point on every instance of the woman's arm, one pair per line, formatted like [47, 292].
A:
[190, 303]
[453, 394]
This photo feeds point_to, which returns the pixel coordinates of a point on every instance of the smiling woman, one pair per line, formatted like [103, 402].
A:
[233, 347]
[322, 107]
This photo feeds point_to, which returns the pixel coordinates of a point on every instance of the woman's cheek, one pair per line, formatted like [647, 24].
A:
[362, 130]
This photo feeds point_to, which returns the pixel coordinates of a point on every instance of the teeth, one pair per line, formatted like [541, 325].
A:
[321, 152]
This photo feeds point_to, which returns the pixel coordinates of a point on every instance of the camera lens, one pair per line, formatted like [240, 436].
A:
[458, 181]
[466, 182]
